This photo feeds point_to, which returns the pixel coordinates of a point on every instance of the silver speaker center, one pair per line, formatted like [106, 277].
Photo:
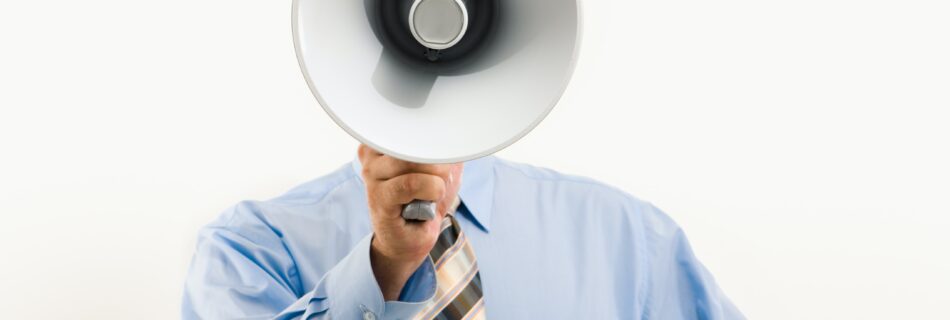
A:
[438, 24]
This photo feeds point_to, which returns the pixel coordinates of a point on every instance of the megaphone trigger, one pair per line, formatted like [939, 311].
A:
[425, 210]
[419, 210]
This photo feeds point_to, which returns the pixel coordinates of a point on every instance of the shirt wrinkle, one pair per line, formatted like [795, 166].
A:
[545, 258]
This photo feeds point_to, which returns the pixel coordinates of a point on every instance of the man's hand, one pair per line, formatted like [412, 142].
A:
[399, 246]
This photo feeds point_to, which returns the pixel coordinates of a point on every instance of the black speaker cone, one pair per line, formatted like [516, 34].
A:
[390, 22]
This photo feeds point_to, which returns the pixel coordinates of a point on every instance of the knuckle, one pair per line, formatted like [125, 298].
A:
[367, 171]
[438, 188]
[411, 184]
[402, 186]
[443, 171]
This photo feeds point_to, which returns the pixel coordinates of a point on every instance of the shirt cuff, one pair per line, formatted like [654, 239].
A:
[421, 285]
[354, 293]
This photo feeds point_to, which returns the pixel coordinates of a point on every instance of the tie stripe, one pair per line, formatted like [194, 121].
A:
[447, 239]
[466, 300]
[477, 312]
[459, 292]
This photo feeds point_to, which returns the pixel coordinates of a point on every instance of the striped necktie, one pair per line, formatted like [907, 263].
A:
[459, 292]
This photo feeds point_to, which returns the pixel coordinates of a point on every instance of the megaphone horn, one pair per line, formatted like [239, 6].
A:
[437, 81]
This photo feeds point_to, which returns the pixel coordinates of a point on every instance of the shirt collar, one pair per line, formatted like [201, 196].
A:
[476, 192]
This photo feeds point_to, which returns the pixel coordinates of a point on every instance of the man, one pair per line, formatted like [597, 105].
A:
[512, 242]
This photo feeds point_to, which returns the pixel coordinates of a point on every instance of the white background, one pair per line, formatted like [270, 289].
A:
[803, 145]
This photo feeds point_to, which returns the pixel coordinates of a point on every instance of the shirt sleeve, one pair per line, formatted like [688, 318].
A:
[681, 287]
[247, 273]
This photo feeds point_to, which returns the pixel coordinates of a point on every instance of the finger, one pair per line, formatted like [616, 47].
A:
[367, 154]
[386, 167]
[448, 204]
[403, 189]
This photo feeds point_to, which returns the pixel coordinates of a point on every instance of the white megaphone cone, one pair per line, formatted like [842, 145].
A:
[437, 81]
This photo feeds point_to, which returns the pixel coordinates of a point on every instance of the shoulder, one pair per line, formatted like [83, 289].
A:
[567, 185]
[585, 196]
[302, 202]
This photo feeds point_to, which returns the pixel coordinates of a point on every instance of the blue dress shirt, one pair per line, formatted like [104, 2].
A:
[549, 246]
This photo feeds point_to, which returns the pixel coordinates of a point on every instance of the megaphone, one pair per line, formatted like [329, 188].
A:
[437, 81]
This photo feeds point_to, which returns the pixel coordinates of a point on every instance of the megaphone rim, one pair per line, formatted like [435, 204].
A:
[325, 106]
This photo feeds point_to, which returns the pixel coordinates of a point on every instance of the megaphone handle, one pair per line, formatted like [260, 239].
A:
[419, 210]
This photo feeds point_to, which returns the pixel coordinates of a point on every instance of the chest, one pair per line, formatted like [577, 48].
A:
[532, 275]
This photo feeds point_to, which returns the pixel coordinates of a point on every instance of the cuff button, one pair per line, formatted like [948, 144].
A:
[368, 315]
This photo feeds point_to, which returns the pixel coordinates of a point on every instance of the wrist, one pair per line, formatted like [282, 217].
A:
[392, 271]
